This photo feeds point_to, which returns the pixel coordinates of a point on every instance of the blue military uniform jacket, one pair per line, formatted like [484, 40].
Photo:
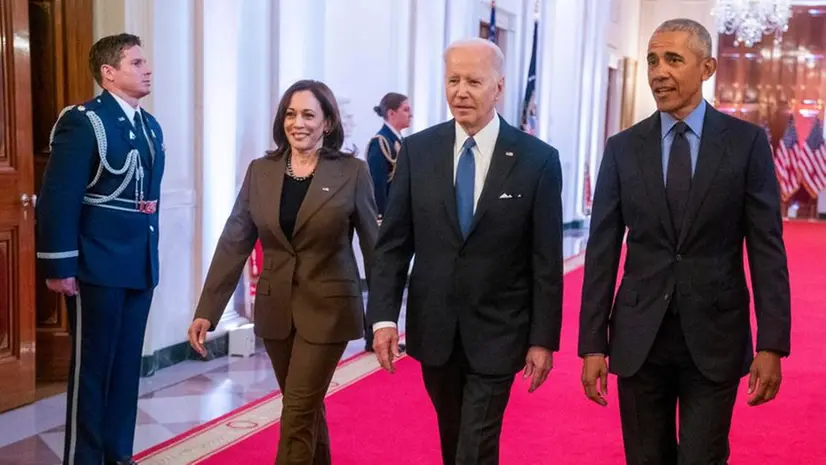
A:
[382, 152]
[97, 215]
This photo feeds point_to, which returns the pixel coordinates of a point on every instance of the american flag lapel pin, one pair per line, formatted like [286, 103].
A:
[508, 154]
[325, 189]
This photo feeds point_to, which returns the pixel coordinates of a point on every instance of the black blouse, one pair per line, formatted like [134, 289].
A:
[292, 195]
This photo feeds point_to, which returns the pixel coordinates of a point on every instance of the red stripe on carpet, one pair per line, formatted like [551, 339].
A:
[389, 419]
[227, 417]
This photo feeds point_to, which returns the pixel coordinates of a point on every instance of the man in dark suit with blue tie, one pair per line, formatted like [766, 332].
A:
[97, 225]
[479, 204]
[690, 185]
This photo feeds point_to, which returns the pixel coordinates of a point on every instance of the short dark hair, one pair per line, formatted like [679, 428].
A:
[390, 101]
[333, 138]
[700, 37]
[108, 51]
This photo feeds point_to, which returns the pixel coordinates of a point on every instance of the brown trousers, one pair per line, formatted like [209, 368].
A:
[304, 371]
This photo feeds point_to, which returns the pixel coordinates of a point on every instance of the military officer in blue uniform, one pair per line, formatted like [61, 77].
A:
[97, 243]
[382, 151]
[383, 148]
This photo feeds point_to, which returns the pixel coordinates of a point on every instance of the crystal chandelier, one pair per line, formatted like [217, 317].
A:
[749, 20]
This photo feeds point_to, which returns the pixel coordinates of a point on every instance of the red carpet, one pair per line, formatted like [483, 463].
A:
[389, 419]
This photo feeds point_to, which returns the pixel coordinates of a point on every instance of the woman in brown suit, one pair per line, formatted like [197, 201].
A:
[303, 201]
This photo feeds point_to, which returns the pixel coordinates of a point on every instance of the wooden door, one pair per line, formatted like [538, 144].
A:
[61, 36]
[17, 254]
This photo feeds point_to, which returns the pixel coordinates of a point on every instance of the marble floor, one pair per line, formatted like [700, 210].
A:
[171, 402]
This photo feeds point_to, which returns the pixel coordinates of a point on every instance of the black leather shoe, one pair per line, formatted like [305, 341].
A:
[402, 347]
[123, 462]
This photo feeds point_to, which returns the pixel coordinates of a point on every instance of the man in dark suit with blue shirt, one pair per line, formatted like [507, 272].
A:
[97, 242]
[690, 185]
[479, 204]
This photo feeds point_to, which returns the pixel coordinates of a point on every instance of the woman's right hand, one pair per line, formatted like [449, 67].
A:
[197, 335]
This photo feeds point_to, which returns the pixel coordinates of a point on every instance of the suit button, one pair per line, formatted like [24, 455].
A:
[679, 258]
[151, 228]
[666, 297]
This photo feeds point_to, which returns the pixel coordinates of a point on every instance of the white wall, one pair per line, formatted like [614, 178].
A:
[362, 60]
[572, 68]
[622, 36]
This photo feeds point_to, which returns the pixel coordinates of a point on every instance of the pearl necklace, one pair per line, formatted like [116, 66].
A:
[292, 174]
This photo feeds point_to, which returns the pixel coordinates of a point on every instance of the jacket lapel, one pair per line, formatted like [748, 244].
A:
[158, 161]
[154, 141]
[708, 161]
[274, 175]
[442, 149]
[651, 163]
[500, 168]
[327, 180]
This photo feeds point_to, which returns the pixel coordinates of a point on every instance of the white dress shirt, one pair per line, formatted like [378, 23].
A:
[129, 110]
[482, 155]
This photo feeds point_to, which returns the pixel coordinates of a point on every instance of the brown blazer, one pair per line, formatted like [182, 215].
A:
[313, 282]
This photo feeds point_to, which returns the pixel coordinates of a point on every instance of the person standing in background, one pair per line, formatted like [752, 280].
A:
[383, 148]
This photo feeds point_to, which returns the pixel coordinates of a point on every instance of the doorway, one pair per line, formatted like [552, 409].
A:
[39, 79]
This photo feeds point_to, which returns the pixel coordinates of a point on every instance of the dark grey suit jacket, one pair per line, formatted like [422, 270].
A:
[734, 198]
[502, 286]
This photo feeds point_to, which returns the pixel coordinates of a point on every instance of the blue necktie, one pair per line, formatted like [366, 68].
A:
[465, 177]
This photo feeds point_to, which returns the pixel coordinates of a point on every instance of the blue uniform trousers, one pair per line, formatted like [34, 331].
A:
[108, 326]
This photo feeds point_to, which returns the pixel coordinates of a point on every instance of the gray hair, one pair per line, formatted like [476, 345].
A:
[497, 57]
[700, 37]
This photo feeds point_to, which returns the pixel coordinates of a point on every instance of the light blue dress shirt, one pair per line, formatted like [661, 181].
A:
[694, 121]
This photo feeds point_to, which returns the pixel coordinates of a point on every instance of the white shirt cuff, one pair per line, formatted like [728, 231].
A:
[383, 324]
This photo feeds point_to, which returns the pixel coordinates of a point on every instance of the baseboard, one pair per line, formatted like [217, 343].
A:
[172, 355]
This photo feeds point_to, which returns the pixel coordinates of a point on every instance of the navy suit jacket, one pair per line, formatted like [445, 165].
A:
[501, 287]
[89, 223]
[734, 199]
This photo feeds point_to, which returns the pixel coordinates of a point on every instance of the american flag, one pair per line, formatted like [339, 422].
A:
[785, 161]
[492, 26]
[813, 161]
[529, 104]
